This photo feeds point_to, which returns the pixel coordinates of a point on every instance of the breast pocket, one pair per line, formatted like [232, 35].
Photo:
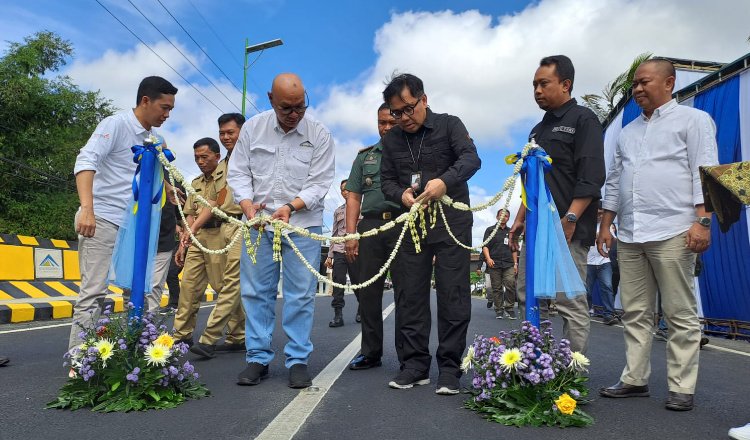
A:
[298, 162]
[371, 175]
[262, 160]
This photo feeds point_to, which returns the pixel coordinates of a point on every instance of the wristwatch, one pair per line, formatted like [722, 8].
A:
[704, 221]
[291, 207]
[571, 217]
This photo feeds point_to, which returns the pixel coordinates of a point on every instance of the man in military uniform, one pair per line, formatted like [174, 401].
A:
[202, 268]
[336, 260]
[364, 181]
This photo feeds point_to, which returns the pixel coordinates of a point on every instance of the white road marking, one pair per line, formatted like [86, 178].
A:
[290, 419]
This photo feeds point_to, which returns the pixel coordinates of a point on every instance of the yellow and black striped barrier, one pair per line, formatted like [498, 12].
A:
[40, 278]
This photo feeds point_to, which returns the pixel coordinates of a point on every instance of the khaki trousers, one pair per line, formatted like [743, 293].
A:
[503, 285]
[94, 259]
[228, 311]
[574, 312]
[201, 269]
[666, 266]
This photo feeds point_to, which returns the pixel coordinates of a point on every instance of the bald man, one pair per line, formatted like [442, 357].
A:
[282, 166]
[654, 188]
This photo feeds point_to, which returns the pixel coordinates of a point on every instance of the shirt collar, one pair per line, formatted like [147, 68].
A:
[300, 128]
[560, 111]
[662, 110]
[378, 146]
[429, 120]
[135, 124]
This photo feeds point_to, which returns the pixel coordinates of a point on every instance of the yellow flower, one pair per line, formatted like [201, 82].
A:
[511, 359]
[466, 363]
[578, 361]
[157, 354]
[165, 339]
[566, 404]
[106, 349]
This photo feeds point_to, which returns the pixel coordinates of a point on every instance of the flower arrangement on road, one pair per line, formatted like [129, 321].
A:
[128, 364]
[526, 378]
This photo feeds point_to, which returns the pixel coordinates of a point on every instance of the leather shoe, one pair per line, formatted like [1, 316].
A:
[252, 374]
[204, 350]
[363, 362]
[622, 389]
[299, 377]
[239, 346]
[679, 401]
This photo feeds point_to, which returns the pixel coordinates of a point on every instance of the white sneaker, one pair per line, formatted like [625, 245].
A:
[741, 433]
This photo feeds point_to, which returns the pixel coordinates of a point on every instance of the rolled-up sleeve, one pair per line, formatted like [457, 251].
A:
[99, 145]
[589, 158]
[701, 149]
[467, 162]
[240, 176]
[322, 169]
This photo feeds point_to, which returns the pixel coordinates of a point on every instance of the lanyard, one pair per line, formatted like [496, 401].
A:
[419, 151]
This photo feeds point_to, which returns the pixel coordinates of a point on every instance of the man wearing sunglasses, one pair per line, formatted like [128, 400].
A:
[426, 156]
[282, 166]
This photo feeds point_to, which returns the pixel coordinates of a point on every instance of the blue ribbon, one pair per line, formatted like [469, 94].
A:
[138, 151]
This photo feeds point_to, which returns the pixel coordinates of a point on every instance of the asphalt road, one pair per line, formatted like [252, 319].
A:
[360, 405]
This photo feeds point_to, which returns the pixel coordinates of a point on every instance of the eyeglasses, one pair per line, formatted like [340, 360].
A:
[408, 110]
[299, 110]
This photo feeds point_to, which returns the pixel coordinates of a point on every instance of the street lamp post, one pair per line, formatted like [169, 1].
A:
[249, 50]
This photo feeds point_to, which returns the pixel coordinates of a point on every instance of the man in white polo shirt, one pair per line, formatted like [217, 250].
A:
[654, 188]
[104, 172]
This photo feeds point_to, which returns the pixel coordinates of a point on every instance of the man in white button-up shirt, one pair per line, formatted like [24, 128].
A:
[104, 172]
[283, 165]
[654, 188]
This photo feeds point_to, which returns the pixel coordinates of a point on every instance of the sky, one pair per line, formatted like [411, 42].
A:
[477, 59]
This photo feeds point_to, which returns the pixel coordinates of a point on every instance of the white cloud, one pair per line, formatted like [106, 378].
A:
[480, 67]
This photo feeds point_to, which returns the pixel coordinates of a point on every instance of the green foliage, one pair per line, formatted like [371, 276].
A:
[44, 121]
[615, 90]
[123, 379]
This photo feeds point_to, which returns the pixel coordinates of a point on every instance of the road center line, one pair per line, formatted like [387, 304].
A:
[290, 419]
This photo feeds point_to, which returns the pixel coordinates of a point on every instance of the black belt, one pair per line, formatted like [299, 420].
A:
[385, 215]
[216, 222]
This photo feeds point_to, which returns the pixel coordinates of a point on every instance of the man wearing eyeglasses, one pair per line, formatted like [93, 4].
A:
[282, 166]
[425, 157]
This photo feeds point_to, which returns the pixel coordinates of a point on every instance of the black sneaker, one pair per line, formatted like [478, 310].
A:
[499, 315]
[511, 314]
[168, 310]
[408, 378]
[489, 303]
[610, 320]
[661, 335]
[704, 341]
[204, 350]
[252, 374]
[299, 377]
[448, 385]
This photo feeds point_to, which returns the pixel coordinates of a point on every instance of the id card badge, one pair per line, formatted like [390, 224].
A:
[416, 182]
[505, 242]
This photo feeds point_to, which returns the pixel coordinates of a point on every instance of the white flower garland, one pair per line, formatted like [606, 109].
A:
[409, 219]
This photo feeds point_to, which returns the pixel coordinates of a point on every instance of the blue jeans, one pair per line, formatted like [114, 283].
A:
[259, 283]
[602, 274]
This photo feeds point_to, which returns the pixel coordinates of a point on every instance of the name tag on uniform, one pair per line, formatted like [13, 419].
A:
[416, 182]
[505, 242]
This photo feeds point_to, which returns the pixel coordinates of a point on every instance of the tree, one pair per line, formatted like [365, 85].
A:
[603, 104]
[44, 121]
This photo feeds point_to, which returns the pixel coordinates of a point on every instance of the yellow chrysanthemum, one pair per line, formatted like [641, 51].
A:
[165, 339]
[578, 361]
[511, 359]
[566, 404]
[106, 349]
[466, 363]
[157, 354]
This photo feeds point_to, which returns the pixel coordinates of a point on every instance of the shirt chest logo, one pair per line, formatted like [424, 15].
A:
[564, 129]
[306, 144]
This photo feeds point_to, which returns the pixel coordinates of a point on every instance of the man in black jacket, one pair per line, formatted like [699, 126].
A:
[425, 157]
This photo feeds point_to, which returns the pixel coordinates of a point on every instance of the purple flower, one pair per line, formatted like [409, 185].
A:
[188, 368]
[574, 393]
[196, 375]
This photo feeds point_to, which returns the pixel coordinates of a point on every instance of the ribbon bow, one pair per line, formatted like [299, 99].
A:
[138, 151]
[537, 152]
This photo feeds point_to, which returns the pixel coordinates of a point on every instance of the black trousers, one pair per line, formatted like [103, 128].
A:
[413, 317]
[373, 253]
[173, 281]
[340, 268]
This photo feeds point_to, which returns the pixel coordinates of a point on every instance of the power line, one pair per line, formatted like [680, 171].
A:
[183, 55]
[209, 56]
[36, 170]
[215, 34]
[159, 56]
